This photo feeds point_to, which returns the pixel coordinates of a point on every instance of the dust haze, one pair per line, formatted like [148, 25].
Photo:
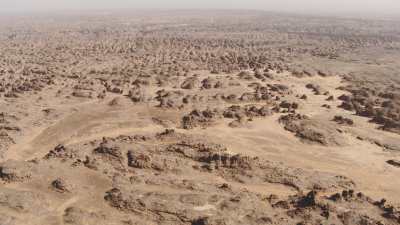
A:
[300, 6]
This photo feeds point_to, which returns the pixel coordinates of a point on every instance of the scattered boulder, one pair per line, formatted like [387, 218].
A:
[394, 162]
[82, 94]
[140, 161]
[61, 185]
[109, 151]
[318, 90]
[342, 120]
[190, 83]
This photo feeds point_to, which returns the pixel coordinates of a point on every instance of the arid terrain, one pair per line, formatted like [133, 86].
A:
[199, 118]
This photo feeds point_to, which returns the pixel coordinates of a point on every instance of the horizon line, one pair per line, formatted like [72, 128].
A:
[319, 13]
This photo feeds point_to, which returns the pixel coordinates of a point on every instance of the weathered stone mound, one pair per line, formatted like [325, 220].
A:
[186, 154]
[238, 112]
[15, 171]
[343, 120]
[280, 89]
[161, 207]
[312, 131]
[317, 89]
[198, 118]
[61, 152]
[382, 108]
[170, 99]
[190, 83]
[215, 158]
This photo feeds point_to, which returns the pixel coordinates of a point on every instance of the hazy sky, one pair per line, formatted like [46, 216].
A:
[324, 6]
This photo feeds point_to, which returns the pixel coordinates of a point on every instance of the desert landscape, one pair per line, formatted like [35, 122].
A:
[199, 117]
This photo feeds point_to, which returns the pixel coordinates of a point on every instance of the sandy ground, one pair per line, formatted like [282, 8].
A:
[163, 118]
